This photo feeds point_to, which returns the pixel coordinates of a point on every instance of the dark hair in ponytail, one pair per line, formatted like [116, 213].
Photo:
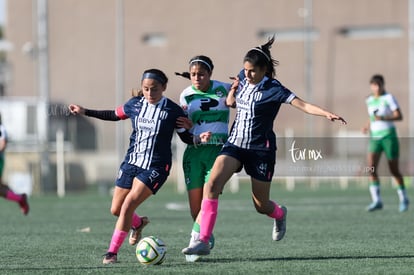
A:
[261, 57]
[184, 74]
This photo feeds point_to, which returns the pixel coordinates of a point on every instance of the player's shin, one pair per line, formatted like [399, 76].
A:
[208, 218]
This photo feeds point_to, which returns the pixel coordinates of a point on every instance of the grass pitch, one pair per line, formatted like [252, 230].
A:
[328, 232]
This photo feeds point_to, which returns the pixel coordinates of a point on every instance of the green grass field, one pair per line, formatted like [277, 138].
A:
[328, 232]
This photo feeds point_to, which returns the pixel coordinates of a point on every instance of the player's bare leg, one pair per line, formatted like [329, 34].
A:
[374, 187]
[402, 194]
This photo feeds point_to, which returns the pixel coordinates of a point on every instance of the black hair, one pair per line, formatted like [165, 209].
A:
[203, 61]
[156, 74]
[377, 79]
[200, 60]
[261, 57]
[184, 74]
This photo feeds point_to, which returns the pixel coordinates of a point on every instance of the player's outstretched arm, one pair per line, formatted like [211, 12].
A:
[100, 114]
[315, 110]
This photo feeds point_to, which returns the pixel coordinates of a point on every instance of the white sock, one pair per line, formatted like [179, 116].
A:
[402, 194]
[375, 193]
[194, 236]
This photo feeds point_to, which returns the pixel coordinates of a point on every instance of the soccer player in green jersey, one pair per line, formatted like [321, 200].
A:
[383, 110]
[205, 103]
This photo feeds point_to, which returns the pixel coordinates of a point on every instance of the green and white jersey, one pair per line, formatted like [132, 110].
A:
[208, 110]
[383, 105]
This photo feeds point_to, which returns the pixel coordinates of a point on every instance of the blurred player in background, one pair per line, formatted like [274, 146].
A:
[205, 103]
[383, 110]
[5, 191]
[251, 143]
[147, 163]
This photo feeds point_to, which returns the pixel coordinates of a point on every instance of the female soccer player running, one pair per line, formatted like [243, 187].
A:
[5, 190]
[252, 143]
[383, 110]
[205, 103]
[148, 160]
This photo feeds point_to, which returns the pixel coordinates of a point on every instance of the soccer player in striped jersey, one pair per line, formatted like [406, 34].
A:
[148, 160]
[252, 143]
[205, 103]
[383, 110]
[5, 190]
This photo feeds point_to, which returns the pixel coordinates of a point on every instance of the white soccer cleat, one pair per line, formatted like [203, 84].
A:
[279, 226]
[197, 248]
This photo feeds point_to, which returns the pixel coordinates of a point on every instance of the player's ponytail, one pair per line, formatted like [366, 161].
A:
[136, 92]
[184, 74]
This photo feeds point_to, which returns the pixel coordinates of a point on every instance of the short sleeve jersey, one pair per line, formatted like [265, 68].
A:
[257, 107]
[207, 110]
[384, 105]
[153, 126]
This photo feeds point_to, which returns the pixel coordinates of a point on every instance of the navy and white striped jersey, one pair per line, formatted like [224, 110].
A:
[257, 107]
[153, 126]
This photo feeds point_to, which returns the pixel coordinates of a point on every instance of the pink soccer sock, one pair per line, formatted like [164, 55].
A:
[208, 218]
[136, 220]
[11, 196]
[277, 212]
[117, 239]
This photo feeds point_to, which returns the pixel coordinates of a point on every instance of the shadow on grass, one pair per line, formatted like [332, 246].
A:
[319, 258]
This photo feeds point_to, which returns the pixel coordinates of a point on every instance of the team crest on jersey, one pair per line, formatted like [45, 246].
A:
[163, 115]
[219, 93]
[257, 96]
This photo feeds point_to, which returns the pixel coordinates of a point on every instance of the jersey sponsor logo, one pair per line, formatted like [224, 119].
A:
[242, 104]
[145, 120]
[145, 124]
[207, 103]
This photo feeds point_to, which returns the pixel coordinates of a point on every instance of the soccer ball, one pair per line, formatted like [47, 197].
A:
[151, 251]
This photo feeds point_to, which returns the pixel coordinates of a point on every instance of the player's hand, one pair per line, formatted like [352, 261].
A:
[184, 122]
[76, 109]
[235, 83]
[205, 136]
[333, 117]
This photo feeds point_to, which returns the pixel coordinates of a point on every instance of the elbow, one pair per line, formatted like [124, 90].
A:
[231, 104]
[398, 117]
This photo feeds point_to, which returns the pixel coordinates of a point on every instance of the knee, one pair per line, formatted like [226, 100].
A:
[115, 211]
[212, 190]
[260, 209]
